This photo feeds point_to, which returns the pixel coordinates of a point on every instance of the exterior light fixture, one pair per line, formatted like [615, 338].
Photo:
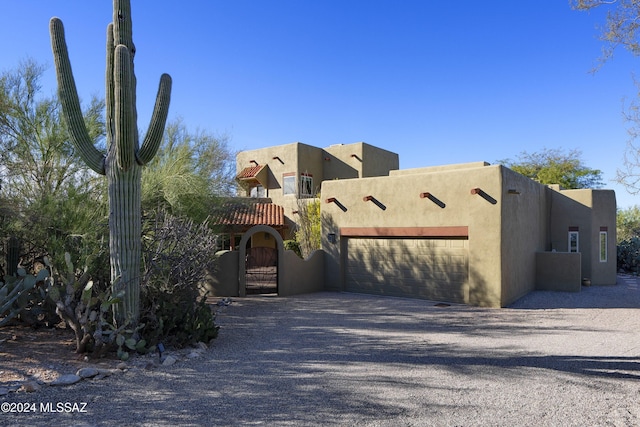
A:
[331, 237]
[254, 162]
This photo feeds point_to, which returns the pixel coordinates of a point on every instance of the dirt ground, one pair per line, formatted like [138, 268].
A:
[44, 353]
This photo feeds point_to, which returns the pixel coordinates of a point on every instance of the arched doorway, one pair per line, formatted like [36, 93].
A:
[260, 262]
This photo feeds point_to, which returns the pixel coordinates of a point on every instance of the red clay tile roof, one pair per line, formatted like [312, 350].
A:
[250, 214]
[250, 172]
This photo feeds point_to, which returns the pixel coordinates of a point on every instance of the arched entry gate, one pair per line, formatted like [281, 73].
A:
[260, 268]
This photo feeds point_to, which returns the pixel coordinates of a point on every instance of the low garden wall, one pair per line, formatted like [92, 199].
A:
[295, 275]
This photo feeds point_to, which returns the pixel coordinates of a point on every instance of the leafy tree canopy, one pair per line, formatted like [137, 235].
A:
[189, 172]
[555, 166]
[628, 223]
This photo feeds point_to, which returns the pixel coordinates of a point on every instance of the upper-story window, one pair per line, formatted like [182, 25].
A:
[306, 185]
[289, 184]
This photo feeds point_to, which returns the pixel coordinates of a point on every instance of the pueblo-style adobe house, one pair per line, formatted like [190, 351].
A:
[472, 233]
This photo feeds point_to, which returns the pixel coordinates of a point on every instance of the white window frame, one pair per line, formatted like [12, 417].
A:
[289, 184]
[258, 192]
[603, 248]
[306, 185]
[577, 240]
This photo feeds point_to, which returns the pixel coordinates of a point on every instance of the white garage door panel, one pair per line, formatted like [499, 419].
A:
[435, 269]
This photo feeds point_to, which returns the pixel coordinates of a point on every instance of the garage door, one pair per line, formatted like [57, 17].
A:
[435, 269]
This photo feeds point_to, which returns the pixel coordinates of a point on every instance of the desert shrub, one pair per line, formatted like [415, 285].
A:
[629, 255]
[293, 245]
[177, 253]
[22, 297]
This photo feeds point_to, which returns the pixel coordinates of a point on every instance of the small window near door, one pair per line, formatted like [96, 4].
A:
[574, 243]
[603, 246]
[258, 191]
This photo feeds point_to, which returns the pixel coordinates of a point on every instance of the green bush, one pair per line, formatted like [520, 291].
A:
[177, 253]
[629, 255]
[293, 245]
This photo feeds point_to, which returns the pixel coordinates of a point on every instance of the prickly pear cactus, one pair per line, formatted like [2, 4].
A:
[14, 293]
[123, 161]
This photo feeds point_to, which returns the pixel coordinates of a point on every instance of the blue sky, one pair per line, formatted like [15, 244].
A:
[438, 82]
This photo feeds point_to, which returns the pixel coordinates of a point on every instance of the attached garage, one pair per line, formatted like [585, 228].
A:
[434, 268]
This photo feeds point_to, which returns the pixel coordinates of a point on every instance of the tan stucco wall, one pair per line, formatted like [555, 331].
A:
[508, 221]
[432, 169]
[223, 280]
[334, 162]
[358, 160]
[594, 209]
[524, 230]
[558, 271]
[400, 194]
[604, 215]
[296, 276]
[303, 275]
[264, 240]
[589, 210]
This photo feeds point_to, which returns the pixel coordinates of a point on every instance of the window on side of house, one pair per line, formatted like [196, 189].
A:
[574, 241]
[306, 185]
[288, 184]
[603, 246]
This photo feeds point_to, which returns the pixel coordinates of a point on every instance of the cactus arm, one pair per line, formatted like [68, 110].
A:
[123, 35]
[153, 137]
[70, 102]
[109, 86]
[123, 117]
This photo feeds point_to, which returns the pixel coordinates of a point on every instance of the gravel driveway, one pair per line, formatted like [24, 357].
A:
[346, 359]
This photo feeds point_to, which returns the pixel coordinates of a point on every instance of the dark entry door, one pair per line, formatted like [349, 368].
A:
[261, 270]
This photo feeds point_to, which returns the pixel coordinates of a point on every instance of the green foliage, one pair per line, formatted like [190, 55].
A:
[16, 293]
[554, 166]
[628, 223]
[87, 309]
[47, 197]
[190, 171]
[176, 319]
[293, 245]
[72, 291]
[37, 158]
[629, 255]
[309, 232]
[178, 254]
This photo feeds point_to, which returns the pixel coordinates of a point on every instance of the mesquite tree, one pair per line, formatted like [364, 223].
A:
[123, 161]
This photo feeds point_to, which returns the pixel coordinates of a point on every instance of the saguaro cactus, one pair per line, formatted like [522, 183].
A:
[123, 161]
